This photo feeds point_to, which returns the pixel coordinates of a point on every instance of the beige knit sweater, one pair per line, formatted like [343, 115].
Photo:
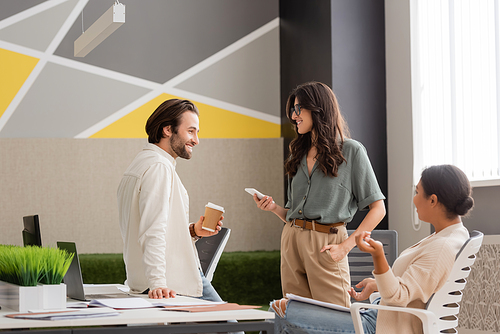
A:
[417, 273]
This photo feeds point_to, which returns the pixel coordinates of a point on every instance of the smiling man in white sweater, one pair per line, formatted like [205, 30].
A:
[159, 242]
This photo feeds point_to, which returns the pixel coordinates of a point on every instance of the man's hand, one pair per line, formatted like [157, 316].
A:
[161, 293]
[204, 233]
[369, 286]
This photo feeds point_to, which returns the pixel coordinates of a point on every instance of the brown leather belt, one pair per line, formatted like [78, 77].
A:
[315, 226]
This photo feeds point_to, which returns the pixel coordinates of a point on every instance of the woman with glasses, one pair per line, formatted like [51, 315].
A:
[329, 178]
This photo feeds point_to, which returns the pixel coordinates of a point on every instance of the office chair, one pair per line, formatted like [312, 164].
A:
[361, 263]
[441, 312]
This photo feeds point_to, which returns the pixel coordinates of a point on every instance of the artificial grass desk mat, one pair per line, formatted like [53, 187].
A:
[246, 278]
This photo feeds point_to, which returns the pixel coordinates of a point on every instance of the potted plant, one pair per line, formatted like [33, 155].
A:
[30, 277]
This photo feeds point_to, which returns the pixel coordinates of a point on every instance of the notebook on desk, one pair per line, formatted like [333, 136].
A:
[74, 282]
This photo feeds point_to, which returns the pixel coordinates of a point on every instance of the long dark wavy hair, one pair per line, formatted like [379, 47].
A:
[329, 128]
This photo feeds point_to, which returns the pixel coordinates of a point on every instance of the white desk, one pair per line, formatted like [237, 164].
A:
[141, 320]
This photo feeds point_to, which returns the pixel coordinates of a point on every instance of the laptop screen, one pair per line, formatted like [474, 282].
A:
[73, 278]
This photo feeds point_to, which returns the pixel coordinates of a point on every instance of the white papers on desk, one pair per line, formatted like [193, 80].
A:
[77, 304]
[66, 315]
[122, 303]
[183, 301]
[291, 296]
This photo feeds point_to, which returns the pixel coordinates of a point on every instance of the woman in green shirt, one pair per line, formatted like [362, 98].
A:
[329, 178]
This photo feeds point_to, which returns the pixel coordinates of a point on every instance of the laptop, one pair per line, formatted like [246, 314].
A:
[74, 282]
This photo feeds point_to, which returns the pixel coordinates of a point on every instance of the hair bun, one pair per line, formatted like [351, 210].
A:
[464, 207]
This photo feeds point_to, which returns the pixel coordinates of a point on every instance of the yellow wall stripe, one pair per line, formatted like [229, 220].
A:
[14, 70]
[214, 123]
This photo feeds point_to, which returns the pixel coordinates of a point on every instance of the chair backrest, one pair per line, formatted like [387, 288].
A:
[361, 263]
[210, 249]
[444, 303]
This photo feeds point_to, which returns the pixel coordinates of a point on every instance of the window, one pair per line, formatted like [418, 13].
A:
[456, 86]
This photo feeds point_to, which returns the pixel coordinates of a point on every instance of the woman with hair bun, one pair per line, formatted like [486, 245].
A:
[442, 195]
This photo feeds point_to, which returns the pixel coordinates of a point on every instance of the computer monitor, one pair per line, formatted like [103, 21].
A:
[31, 232]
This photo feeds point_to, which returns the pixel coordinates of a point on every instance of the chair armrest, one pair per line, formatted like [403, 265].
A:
[374, 296]
[429, 319]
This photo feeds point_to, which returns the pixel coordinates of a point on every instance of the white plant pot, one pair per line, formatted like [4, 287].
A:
[40, 297]
[53, 296]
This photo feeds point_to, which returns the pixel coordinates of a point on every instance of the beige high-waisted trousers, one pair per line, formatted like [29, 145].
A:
[307, 272]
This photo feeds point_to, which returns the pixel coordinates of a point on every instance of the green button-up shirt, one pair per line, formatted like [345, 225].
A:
[329, 199]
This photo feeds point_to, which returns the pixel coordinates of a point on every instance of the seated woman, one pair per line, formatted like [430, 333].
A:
[441, 197]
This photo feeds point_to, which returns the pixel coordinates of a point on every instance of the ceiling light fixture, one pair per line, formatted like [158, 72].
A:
[111, 20]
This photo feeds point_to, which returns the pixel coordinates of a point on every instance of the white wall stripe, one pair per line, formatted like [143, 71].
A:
[65, 27]
[41, 64]
[29, 12]
[178, 92]
[119, 114]
[168, 86]
[21, 49]
[156, 88]
[81, 66]
[173, 91]
[104, 72]
[223, 53]
[223, 105]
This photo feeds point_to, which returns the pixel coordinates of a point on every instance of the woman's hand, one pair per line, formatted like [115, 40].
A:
[369, 286]
[266, 203]
[337, 252]
[368, 245]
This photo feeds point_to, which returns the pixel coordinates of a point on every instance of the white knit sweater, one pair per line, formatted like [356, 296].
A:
[417, 273]
[153, 208]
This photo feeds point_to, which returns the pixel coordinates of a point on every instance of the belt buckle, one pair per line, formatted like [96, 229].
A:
[295, 225]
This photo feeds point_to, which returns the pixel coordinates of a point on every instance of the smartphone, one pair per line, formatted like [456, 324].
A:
[253, 191]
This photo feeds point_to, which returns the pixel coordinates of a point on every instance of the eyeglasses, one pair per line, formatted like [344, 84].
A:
[295, 109]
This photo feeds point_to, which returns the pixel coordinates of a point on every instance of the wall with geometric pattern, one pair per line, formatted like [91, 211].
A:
[85, 117]
[222, 54]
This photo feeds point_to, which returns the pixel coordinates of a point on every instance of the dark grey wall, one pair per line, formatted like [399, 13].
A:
[10, 8]
[358, 78]
[484, 217]
[305, 48]
[340, 43]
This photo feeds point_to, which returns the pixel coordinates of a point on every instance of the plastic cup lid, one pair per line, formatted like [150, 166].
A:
[215, 206]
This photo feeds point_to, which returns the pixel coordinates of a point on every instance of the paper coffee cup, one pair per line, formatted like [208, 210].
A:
[213, 213]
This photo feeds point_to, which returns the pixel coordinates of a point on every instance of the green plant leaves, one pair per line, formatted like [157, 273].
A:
[28, 266]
